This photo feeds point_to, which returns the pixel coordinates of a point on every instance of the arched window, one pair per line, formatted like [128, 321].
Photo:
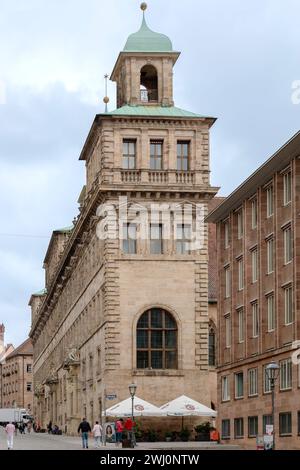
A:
[212, 346]
[149, 84]
[156, 340]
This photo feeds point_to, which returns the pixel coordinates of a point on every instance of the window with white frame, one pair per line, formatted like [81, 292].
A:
[271, 312]
[225, 388]
[288, 244]
[255, 319]
[267, 383]
[287, 188]
[241, 333]
[240, 224]
[253, 382]
[254, 262]
[285, 374]
[228, 331]
[239, 385]
[288, 305]
[240, 274]
[270, 201]
[227, 282]
[270, 255]
[226, 234]
[254, 213]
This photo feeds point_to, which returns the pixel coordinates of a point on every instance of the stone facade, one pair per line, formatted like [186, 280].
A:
[84, 326]
[5, 350]
[17, 378]
[258, 305]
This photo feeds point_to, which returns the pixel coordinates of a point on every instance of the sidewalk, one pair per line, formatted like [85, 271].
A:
[35, 441]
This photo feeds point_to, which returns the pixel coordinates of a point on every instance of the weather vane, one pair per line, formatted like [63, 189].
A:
[106, 98]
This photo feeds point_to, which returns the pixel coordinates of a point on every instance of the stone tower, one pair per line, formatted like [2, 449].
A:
[2, 331]
[130, 306]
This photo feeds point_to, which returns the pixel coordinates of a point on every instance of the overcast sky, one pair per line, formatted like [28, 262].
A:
[239, 61]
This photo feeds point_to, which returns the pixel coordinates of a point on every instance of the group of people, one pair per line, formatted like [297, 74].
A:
[84, 428]
[121, 428]
[53, 429]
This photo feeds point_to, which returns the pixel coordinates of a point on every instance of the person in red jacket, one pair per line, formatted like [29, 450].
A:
[119, 431]
[129, 426]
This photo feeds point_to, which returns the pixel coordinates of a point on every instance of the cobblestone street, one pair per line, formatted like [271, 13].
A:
[35, 441]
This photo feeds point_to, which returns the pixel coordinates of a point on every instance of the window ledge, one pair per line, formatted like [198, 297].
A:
[157, 373]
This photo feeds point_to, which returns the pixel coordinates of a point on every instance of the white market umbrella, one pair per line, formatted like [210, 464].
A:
[140, 408]
[185, 406]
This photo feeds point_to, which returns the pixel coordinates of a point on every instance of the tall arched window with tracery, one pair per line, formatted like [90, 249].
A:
[212, 345]
[156, 340]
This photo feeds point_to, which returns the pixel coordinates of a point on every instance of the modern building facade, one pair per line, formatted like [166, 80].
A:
[17, 378]
[130, 306]
[258, 251]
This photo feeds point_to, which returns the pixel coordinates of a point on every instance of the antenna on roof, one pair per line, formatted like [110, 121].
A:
[106, 98]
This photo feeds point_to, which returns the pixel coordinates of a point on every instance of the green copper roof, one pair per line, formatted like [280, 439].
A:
[40, 293]
[154, 111]
[146, 40]
[65, 229]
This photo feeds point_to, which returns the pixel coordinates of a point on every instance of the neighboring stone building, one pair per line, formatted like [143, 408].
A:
[17, 378]
[130, 308]
[4, 352]
[258, 240]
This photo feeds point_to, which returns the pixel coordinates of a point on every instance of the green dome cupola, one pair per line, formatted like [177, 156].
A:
[146, 40]
[144, 69]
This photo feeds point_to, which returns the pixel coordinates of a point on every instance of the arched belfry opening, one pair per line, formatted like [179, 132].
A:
[149, 84]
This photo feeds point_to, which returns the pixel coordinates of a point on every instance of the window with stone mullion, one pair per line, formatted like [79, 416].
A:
[156, 342]
[156, 155]
[129, 154]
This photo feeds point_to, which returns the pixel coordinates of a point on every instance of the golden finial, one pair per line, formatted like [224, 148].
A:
[144, 6]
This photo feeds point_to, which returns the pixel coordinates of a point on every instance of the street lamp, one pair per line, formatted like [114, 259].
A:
[272, 371]
[132, 390]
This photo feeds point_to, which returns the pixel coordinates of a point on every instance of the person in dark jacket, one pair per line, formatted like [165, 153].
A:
[85, 428]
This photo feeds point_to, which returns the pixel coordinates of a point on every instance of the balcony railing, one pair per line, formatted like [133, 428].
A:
[130, 176]
[185, 177]
[158, 176]
[148, 96]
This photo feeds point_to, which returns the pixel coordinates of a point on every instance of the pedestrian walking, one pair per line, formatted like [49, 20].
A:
[84, 427]
[97, 433]
[10, 430]
[119, 431]
[49, 427]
